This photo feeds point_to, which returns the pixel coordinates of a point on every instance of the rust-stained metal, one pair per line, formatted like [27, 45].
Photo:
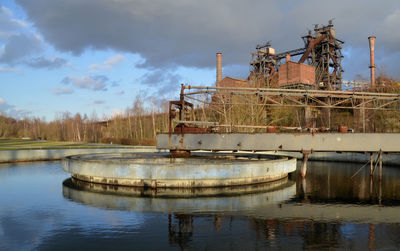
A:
[312, 42]
[185, 109]
[182, 128]
[180, 153]
[322, 50]
[343, 129]
[297, 98]
[271, 129]
[372, 54]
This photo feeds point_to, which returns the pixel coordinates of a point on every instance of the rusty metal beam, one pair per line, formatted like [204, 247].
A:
[296, 98]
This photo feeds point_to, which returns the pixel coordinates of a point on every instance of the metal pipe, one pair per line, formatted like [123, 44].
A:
[219, 67]
[372, 66]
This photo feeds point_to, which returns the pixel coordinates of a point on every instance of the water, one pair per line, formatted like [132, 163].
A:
[42, 209]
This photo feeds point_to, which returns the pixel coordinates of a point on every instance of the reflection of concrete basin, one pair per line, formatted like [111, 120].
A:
[161, 170]
[227, 199]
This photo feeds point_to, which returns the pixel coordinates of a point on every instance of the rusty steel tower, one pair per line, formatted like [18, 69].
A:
[322, 50]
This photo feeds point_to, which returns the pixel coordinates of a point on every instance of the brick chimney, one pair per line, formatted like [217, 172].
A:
[219, 67]
[372, 66]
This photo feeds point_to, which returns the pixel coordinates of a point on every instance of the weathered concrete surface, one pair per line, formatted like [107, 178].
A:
[296, 142]
[273, 203]
[74, 184]
[228, 199]
[390, 159]
[56, 154]
[161, 170]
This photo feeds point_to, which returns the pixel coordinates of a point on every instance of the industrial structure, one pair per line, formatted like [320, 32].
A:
[321, 53]
[237, 109]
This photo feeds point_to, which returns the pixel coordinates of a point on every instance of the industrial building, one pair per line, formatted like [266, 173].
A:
[318, 65]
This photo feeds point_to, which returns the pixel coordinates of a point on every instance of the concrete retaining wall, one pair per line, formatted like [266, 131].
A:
[56, 154]
[391, 159]
[161, 170]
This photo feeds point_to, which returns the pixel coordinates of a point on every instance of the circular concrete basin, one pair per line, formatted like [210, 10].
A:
[237, 199]
[159, 170]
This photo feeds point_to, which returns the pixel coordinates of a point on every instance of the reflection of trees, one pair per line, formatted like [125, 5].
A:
[322, 234]
[180, 229]
[314, 234]
[330, 182]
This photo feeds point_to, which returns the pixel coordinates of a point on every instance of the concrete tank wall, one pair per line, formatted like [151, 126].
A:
[161, 170]
[56, 154]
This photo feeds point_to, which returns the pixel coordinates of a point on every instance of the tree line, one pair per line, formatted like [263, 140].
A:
[137, 125]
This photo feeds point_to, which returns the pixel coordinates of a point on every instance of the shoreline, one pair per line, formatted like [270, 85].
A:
[49, 154]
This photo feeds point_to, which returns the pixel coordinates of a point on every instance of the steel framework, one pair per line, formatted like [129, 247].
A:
[321, 49]
[293, 98]
[221, 101]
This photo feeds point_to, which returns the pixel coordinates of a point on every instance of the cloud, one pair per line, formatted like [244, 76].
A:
[4, 106]
[19, 46]
[42, 62]
[62, 90]
[11, 110]
[94, 83]
[98, 101]
[159, 77]
[19, 43]
[4, 69]
[164, 81]
[8, 24]
[67, 80]
[171, 33]
[119, 93]
[109, 63]
[165, 33]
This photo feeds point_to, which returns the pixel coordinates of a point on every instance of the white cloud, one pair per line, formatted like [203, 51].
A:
[109, 63]
[62, 90]
[94, 83]
[171, 33]
[17, 38]
[8, 24]
[11, 110]
[3, 69]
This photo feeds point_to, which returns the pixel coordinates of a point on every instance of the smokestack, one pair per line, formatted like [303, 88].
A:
[219, 67]
[287, 57]
[372, 66]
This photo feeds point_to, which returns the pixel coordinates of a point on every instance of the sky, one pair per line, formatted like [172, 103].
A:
[97, 56]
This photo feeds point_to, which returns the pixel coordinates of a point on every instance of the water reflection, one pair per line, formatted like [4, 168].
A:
[40, 208]
[334, 199]
[325, 210]
[332, 183]
[204, 200]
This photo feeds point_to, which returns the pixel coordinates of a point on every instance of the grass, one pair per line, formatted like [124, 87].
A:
[28, 144]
